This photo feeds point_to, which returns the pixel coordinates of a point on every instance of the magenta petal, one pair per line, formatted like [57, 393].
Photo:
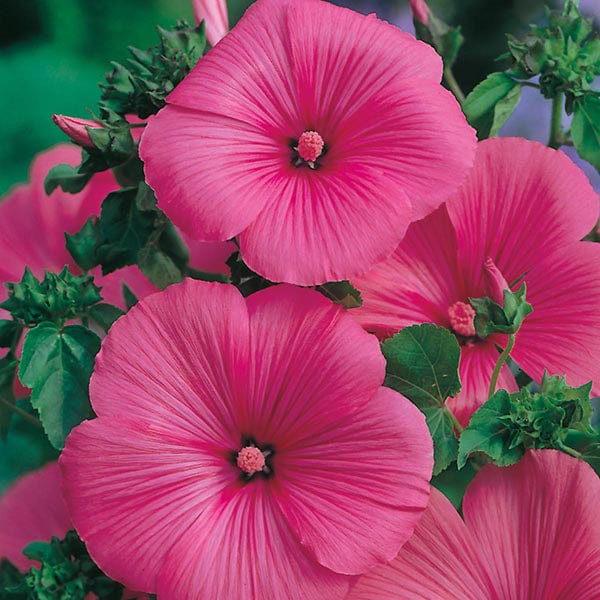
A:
[520, 200]
[439, 562]
[416, 284]
[174, 360]
[214, 15]
[476, 366]
[241, 548]
[134, 487]
[353, 493]
[32, 509]
[537, 526]
[561, 335]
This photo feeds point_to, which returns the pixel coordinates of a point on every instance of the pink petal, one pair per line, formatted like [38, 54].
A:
[439, 562]
[520, 200]
[214, 15]
[242, 548]
[185, 151]
[477, 362]
[417, 284]
[311, 365]
[75, 128]
[187, 358]
[353, 493]
[561, 333]
[210, 257]
[537, 526]
[33, 509]
[133, 487]
[112, 284]
[420, 11]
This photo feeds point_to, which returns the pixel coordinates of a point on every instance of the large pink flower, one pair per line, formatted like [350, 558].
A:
[32, 509]
[313, 133]
[530, 532]
[520, 213]
[244, 448]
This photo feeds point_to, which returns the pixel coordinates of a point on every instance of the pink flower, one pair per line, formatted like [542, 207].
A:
[32, 509]
[214, 15]
[530, 531]
[314, 134]
[244, 448]
[520, 213]
[420, 11]
[75, 128]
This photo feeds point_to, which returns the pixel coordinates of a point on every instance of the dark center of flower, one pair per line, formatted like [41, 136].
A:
[307, 149]
[252, 460]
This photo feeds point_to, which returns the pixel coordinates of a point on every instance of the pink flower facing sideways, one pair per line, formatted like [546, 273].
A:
[312, 133]
[244, 449]
[530, 532]
[520, 214]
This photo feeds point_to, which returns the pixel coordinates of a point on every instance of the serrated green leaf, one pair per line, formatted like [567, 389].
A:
[105, 315]
[585, 128]
[422, 364]
[491, 103]
[56, 364]
[82, 245]
[489, 432]
[68, 178]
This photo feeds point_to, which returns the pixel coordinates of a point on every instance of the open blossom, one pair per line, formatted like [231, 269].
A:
[244, 448]
[214, 15]
[530, 532]
[518, 216]
[31, 510]
[313, 134]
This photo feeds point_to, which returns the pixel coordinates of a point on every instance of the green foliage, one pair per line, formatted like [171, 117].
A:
[492, 318]
[57, 298]
[66, 572]
[8, 367]
[341, 292]
[445, 39]
[70, 179]
[509, 424]
[9, 330]
[422, 364]
[10, 578]
[57, 364]
[105, 315]
[585, 128]
[246, 280]
[150, 75]
[491, 103]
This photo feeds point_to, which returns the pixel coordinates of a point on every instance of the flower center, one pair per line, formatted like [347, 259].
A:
[250, 459]
[310, 146]
[462, 319]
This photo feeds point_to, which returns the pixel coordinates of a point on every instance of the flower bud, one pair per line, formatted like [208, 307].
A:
[75, 128]
[420, 11]
[214, 15]
[495, 284]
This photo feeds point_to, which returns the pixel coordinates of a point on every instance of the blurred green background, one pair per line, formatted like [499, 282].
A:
[54, 52]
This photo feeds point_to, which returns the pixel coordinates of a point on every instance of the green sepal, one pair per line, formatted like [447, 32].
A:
[58, 297]
[491, 103]
[422, 364]
[447, 40]
[491, 318]
[341, 292]
[57, 364]
[105, 315]
[70, 179]
[585, 128]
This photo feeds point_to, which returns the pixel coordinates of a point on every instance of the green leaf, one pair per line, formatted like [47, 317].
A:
[56, 364]
[10, 578]
[445, 39]
[68, 178]
[585, 129]
[129, 297]
[491, 103]
[158, 267]
[422, 364]
[453, 483]
[341, 292]
[489, 433]
[82, 245]
[8, 367]
[105, 315]
[8, 330]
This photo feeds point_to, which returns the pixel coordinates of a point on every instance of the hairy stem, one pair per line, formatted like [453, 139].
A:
[19, 411]
[556, 131]
[453, 84]
[501, 361]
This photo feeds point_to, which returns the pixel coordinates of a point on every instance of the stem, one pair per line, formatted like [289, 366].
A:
[529, 84]
[501, 360]
[459, 428]
[569, 450]
[19, 411]
[556, 131]
[453, 84]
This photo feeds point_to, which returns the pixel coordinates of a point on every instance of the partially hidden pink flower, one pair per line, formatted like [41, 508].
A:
[31, 510]
[214, 15]
[420, 11]
[244, 448]
[518, 216]
[314, 134]
[530, 532]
